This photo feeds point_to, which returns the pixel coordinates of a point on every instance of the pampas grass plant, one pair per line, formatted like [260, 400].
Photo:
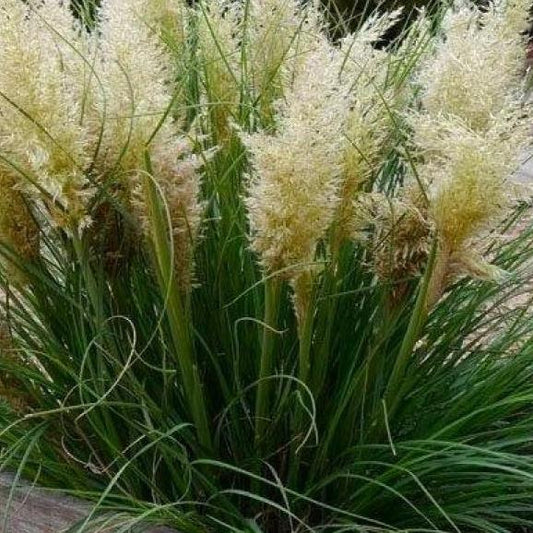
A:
[259, 280]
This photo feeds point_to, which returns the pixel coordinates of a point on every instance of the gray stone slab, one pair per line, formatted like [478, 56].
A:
[34, 510]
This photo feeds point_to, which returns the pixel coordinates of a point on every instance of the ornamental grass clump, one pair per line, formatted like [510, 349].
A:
[253, 277]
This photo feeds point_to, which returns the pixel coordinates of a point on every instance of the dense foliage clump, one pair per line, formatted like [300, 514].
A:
[256, 279]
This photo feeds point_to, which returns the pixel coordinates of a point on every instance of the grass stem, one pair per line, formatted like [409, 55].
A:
[264, 386]
[178, 312]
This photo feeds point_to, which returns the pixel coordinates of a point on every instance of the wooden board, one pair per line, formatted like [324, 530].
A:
[34, 510]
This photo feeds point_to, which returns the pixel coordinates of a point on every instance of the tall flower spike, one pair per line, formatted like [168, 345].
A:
[134, 69]
[468, 192]
[477, 63]
[470, 131]
[41, 128]
[137, 73]
[293, 193]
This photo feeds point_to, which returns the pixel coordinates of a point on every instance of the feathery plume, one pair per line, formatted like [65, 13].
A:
[477, 62]
[134, 70]
[470, 131]
[41, 129]
[468, 193]
[137, 72]
[293, 194]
